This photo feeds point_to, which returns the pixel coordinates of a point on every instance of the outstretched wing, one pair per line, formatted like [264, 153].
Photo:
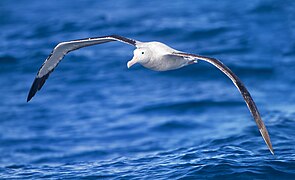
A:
[62, 49]
[243, 90]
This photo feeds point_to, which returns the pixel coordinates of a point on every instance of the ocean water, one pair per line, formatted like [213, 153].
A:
[94, 118]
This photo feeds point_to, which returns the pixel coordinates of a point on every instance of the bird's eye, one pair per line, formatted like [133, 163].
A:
[142, 52]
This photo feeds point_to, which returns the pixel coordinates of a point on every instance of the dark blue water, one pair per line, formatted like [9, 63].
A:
[94, 118]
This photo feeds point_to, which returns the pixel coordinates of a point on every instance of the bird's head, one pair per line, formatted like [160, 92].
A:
[141, 55]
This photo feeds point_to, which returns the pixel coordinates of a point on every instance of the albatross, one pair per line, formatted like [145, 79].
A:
[152, 55]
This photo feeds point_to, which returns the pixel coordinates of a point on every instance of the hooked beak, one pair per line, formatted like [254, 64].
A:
[131, 62]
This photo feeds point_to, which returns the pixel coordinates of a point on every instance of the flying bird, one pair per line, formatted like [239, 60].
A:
[152, 55]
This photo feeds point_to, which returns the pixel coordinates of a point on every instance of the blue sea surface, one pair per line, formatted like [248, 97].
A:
[94, 118]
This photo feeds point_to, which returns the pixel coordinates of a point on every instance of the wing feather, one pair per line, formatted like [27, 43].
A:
[243, 90]
[62, 49]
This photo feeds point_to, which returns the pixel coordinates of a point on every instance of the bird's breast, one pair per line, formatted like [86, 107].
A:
[165, 63]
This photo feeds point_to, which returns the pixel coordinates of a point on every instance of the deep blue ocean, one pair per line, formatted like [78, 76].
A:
[94, 118]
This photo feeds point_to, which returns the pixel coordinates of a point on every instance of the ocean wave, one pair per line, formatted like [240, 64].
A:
[94, 118]
[8, 59]
[186, 106]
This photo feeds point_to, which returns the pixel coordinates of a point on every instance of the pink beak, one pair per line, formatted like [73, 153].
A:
[131, 62]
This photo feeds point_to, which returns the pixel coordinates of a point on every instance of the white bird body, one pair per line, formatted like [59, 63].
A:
[160, 56]
[152, 55]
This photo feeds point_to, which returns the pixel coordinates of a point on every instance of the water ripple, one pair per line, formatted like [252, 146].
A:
[94, 118]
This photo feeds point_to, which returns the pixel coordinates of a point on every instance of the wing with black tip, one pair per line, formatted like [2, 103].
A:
[243, 90]
[62, 49]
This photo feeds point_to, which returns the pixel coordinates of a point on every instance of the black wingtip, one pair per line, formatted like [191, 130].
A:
[29, 98]
[36, 86]
[34, 89]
